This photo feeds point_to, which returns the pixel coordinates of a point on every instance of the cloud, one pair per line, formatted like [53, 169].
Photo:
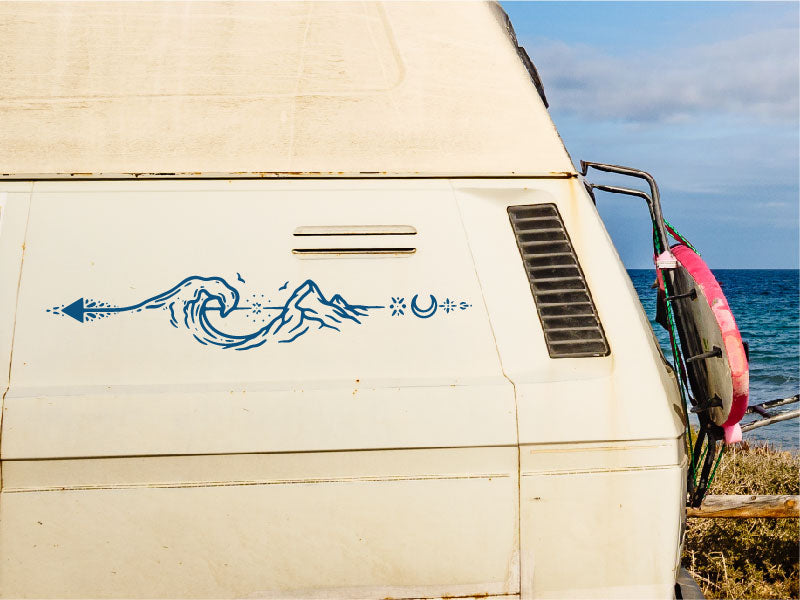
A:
[774, 205]
[753, 75]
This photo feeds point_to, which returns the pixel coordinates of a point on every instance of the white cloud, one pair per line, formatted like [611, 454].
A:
[753, 75]
[771, 205]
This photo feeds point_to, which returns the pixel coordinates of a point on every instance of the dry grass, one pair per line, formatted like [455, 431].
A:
[748, 558]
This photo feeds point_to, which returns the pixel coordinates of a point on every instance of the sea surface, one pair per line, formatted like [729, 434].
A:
[766, 306]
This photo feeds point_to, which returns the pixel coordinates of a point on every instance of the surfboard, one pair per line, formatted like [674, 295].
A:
[717, 363]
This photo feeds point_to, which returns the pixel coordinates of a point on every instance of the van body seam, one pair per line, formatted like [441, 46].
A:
[14, 326]
[513, 388]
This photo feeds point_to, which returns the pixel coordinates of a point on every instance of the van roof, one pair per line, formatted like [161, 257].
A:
[282, 89]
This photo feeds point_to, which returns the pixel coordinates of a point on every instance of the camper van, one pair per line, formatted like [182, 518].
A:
[308, 300]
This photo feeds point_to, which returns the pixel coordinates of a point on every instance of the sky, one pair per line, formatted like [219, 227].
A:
[703, 95]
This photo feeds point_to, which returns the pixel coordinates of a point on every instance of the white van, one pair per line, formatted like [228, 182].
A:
[307, 300]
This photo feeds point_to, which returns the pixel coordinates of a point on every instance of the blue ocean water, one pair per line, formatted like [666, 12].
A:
[766, 305]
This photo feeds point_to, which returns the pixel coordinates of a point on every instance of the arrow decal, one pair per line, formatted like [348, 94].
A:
[191, 302]
[75, 310]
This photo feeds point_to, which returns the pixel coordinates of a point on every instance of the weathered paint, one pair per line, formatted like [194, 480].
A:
[269, 89]
[140, 450]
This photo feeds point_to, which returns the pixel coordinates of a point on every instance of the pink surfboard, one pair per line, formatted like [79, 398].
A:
[708, 323]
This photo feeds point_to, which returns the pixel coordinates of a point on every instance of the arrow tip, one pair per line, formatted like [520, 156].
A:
[75, 310]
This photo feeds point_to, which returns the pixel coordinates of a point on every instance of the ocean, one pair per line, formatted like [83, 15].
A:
[766, 306]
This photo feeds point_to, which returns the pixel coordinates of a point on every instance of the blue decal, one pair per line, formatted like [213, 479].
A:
[190, 290]
[448, 305]
[240, 278]
[200, 304]
[428, 312]
[74, 310]
[397, 306]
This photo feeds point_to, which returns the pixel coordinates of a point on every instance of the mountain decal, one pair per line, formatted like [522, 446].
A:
[202, 306]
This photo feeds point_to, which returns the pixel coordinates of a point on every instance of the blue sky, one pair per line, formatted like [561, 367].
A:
[704, 95]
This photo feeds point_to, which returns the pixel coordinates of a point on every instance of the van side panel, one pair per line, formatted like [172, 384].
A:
[601, 460]
[204, 404]
[389, 375]
[400, 524]
[601, 520]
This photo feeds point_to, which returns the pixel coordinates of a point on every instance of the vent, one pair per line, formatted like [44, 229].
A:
[343, 252]
[348, 241]
[320, 230]
[569, 319]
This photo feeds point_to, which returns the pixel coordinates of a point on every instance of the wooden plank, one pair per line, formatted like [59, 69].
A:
[747, 507]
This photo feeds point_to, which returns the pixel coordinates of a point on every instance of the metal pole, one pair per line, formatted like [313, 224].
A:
[792, 414]
[773, 403]
[654, 194]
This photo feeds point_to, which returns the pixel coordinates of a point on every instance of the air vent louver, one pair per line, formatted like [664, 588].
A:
[569, 319]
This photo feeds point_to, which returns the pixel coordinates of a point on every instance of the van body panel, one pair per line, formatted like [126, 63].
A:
[404, 523]
[629, 394]
[134, 443]
[14, 205]
[580, 503]
[289, 88]
[346, 389]
[600, 438]
[247, 421]
[417, 451]
[597, 509]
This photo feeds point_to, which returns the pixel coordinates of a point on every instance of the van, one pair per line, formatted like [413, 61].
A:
[308, 300]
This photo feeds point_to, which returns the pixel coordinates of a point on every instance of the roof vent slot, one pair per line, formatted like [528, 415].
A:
[569, 318]
[350, 230]
[354, 241]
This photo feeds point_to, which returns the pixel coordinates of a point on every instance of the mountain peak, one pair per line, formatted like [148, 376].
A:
[303, 291]
[339, 301]
[310, 285]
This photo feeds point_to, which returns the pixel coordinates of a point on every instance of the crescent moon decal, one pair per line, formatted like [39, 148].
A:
[428, 312]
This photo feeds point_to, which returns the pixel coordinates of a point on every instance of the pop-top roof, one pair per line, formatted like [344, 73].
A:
[397, 88]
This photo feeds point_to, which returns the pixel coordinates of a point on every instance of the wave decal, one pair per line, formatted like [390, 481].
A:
[200, 305]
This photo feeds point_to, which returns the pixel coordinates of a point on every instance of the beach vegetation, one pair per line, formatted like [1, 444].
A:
[748, 558]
